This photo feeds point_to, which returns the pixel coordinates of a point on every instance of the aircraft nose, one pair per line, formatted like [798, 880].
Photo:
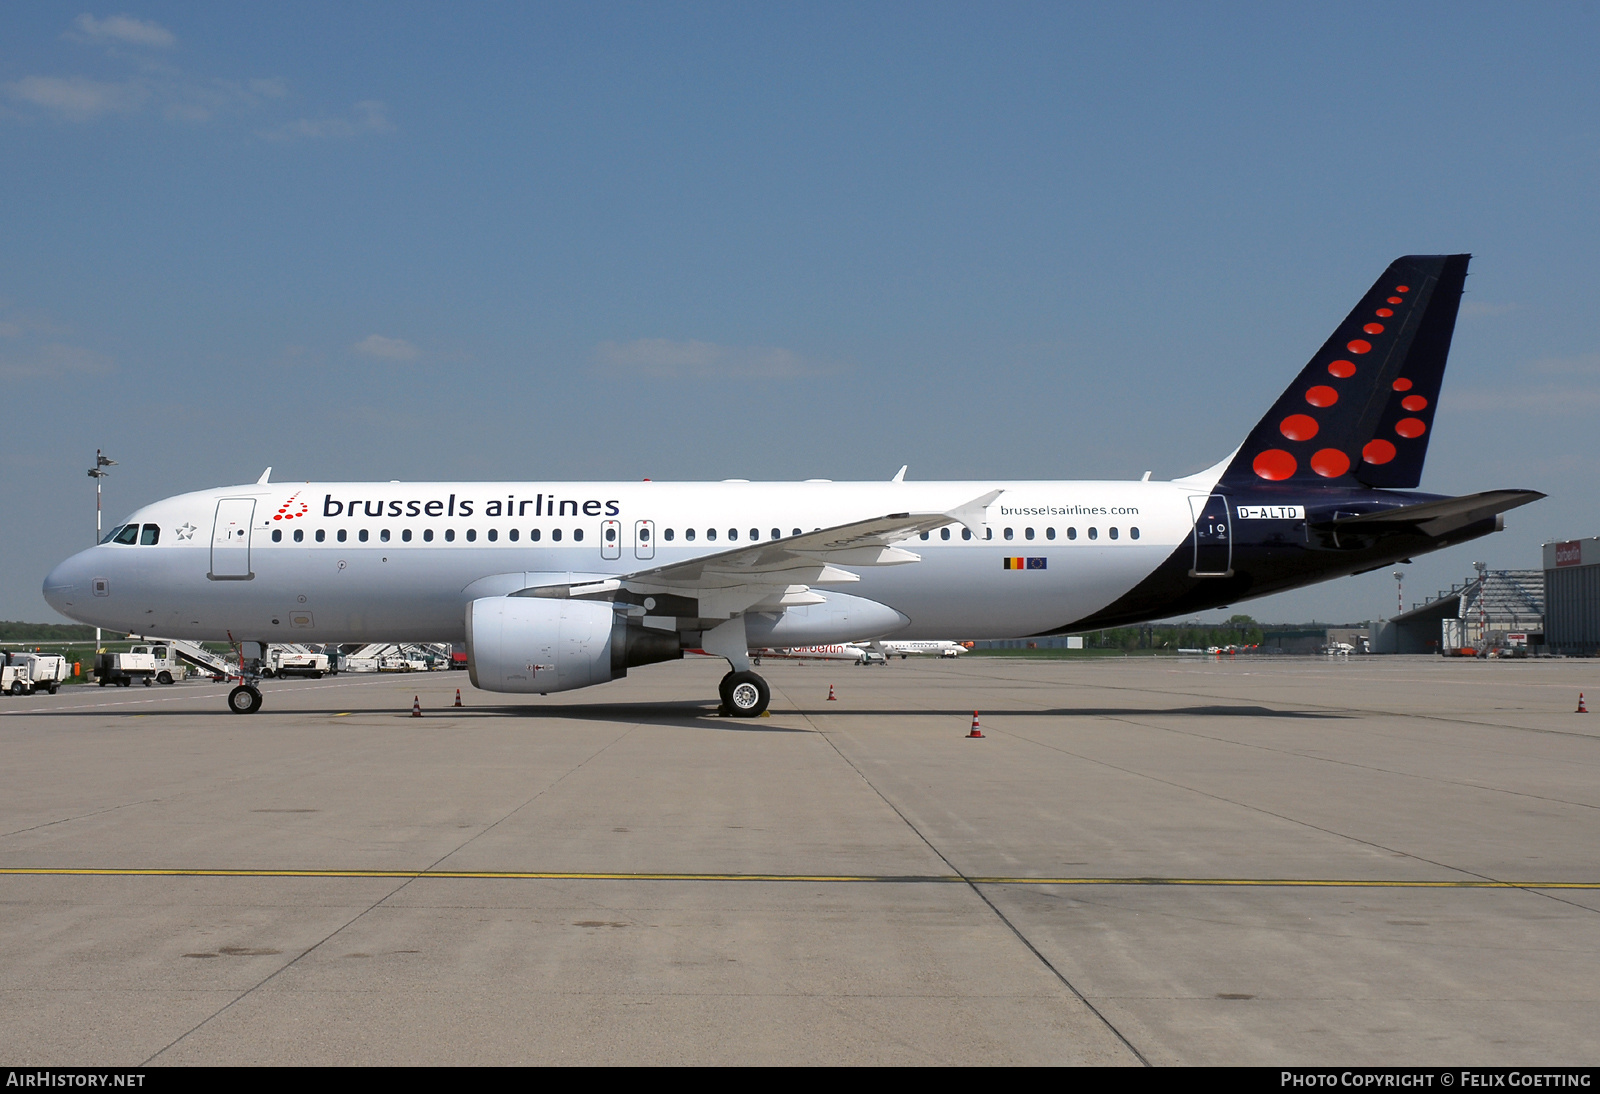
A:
[67, 584]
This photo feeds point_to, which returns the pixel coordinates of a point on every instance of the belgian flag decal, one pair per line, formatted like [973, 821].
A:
[1023, 563]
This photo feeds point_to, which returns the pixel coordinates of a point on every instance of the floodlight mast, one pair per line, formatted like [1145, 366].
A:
[98, 472]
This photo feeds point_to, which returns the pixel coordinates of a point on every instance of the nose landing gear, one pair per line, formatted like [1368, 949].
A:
[246, 698]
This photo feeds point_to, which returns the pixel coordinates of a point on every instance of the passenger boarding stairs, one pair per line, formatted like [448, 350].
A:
[195, 654]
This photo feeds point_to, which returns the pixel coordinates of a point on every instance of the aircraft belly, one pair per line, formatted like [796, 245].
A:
[952, 594]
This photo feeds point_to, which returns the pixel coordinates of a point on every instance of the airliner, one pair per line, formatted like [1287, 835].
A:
[920, 648]
[562, 585]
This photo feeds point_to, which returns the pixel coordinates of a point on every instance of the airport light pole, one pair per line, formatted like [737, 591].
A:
[1483, 608]
[98, 472]
[1399, 592]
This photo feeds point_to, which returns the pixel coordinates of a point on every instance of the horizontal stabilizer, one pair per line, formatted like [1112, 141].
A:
[1431, 517]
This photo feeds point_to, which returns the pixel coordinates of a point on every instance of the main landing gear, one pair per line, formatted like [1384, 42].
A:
[744, 694]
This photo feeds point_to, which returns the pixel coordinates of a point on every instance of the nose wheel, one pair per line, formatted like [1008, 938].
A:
[744, 694]
[244, 699]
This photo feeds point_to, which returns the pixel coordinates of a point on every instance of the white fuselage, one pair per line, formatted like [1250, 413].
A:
[358, 562]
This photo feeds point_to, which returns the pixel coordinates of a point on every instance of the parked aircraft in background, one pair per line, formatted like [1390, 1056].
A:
[555, 586]
[923, 648]
[856, 655]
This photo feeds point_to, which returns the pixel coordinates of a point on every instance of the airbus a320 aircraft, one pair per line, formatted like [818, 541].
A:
[557, 586]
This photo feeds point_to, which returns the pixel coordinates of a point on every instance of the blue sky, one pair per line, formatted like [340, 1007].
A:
[774, 241]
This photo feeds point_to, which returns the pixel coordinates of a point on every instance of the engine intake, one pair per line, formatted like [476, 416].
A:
[532, 644]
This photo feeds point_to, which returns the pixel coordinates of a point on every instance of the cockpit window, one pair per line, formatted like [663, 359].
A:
[150, 536]
[129, 534]
[112, 534]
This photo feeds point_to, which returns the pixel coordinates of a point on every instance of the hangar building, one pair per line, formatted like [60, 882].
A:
[1490, 610]
[1572, 594]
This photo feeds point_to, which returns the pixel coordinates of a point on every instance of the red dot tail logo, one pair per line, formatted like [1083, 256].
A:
[292, 508]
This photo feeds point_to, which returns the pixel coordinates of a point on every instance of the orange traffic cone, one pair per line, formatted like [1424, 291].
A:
[1583, 708]
[976, 732]
[832, 698]
[458, 696]
[416, 706]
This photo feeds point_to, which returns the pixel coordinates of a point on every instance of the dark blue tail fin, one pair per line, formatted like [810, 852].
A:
[1361, 413]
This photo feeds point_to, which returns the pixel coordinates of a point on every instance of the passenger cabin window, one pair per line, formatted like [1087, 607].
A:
[343, 535]
[944, 533]
[925, 535]
[1027, 533]
[427, 535]
[776, 534]
[299, 535]
[1094, 533]
[362, 535]
[405, 536]
[711, 533]
[668, 533]
[512, 535]
[472, 535]
[1133, 533]
[555, 534]
[150, 536]
[1049, 533]
[688, 534]
[1113, 533]
[1072, 533]
[611, 535]
[129, 534]
[494, 534]
[534, 535]
[796, 532]
[966, 533]
[449, 535]
[277, 535]
[384, 535]
[577, 535]
[321, 534]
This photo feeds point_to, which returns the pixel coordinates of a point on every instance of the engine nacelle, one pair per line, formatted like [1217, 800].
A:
[534, 644]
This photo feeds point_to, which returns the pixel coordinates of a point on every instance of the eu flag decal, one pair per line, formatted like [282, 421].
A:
[1023, 563]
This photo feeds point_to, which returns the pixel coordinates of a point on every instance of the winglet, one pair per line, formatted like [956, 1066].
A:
[972, 514]
[900, 475]
[265, 475]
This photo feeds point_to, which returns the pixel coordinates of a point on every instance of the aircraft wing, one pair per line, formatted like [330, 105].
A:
[777, 574]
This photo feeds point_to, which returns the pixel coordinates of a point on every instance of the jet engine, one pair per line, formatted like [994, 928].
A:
[535, 644]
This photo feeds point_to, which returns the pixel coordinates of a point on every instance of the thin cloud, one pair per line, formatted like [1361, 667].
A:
[126, 30]
[1550, 386]
[367, 116]
[78, 98]
[386, 349]
[666, 359]
[155, 86]
[56, 360]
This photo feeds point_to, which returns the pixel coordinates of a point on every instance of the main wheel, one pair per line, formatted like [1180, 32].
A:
[747, 694]
[244, 699]
[164, 677]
